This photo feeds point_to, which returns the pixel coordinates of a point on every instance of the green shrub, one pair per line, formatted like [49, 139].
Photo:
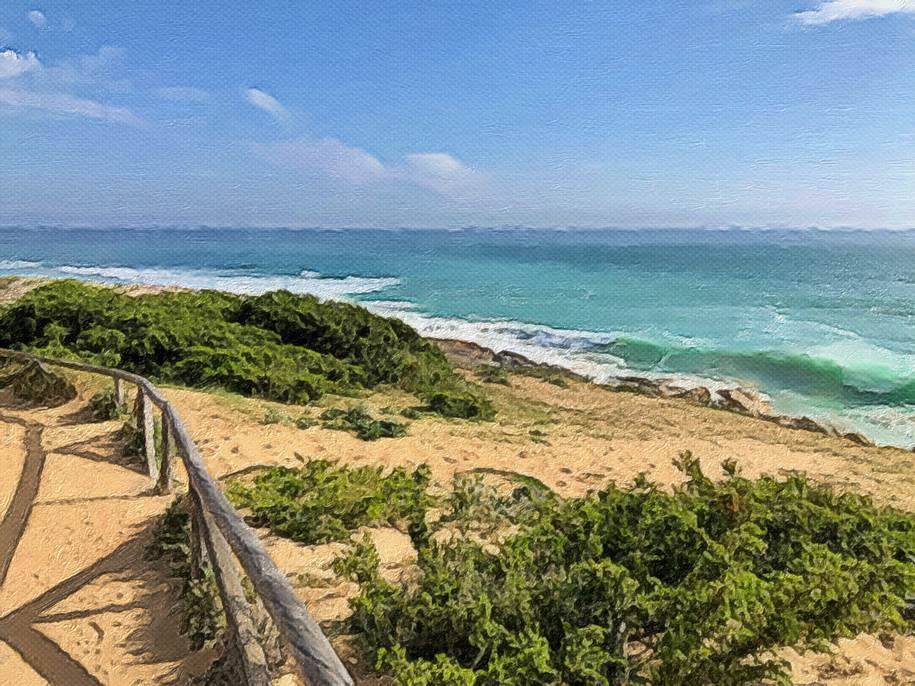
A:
[637, 585]
[273, 416]
[550, 374]
[103, 406]
[411, 413]
[135, 439]
[321, 502]
[463, 405]
[490, 373]
[305, 422]
[277, 346]
[36, 384]
[359, 421]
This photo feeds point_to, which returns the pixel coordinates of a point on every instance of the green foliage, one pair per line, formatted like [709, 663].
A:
[273, 416]
[203, 617]
[463, 405]
[278, 346]
[637, 585]
[103, 406]
[135, 440]
[548, 373]
[359, 421]
[321, 502]
[305, 422]
[35, 384]
[489, 373]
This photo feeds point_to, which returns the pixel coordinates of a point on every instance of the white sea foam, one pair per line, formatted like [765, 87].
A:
[239, 281]
[19, 264]
[572, 349]
[567, 348]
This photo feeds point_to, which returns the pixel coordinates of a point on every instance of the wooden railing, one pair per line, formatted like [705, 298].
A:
[223, 538]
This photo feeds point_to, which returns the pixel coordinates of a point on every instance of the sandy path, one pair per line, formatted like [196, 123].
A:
[80, 605]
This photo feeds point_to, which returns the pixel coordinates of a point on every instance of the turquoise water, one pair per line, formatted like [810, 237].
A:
[822, 322]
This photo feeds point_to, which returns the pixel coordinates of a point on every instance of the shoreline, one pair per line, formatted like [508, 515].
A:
[470, 355]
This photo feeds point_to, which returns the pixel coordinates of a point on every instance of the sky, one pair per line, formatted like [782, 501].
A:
[448, 114]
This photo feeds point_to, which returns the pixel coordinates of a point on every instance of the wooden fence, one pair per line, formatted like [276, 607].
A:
[223, 538]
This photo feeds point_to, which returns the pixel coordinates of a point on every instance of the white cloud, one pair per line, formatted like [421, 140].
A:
[100, 71]
[435, 171]
[13, 64]
[265, 101]
[67, 105]
[38, 19]
[183, 94]
[327, 156]
[442, 173]
[836, 10]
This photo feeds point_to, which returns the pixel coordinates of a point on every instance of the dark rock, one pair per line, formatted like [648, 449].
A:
[743, 402]
[860, 439]
[638, 385]
[699, 395]
[804, 423]
[465, 354]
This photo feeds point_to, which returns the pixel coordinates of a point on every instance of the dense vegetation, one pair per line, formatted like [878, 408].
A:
[320, 502]
[278, 346]
[692, 587]
[360, 422]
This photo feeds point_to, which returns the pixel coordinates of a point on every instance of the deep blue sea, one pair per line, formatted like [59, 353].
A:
[821, 322]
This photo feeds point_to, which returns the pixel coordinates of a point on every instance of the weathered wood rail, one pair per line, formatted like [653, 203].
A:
[226, 542]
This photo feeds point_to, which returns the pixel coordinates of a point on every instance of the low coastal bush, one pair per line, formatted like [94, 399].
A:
[461, 405]
[277, 346]
[490, 373]
[359, 421]
[273, 416]
[696, 586]
[104, 406]
[35, 384]
[305, 422]
[320, 502]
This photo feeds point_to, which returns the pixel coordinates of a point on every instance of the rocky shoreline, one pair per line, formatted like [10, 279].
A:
[469, 355]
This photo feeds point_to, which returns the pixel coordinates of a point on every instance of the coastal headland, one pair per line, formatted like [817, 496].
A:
[559, 429]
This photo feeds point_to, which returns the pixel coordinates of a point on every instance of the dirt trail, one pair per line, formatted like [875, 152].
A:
[80, 605]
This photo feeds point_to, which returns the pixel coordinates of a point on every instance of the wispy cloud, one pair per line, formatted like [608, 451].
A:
[67, 105]
[330, 157]
[837, 10]
[13, 64]
[38, 19]
[442, 173]
[265, 101]
[183, 94]
[327, 156]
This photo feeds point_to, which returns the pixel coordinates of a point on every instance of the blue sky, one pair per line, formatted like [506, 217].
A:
[686, 113]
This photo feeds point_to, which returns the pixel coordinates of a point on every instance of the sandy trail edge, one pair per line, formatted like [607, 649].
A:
[81, 605]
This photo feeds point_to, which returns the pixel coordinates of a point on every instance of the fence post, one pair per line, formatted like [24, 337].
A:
[167, 468]
[118, 392]
[198, 549]
[148, 427]
[239, 621]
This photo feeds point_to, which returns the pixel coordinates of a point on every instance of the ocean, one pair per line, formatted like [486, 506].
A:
[821, 322]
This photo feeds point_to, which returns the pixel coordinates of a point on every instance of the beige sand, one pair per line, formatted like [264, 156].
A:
[592, 436]
[80, 604]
